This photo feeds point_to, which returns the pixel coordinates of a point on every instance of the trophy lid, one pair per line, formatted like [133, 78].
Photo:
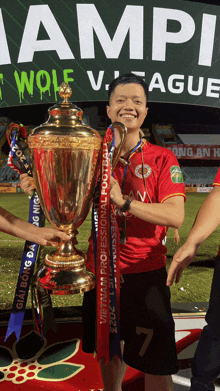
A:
[65, 118]
[60, 111]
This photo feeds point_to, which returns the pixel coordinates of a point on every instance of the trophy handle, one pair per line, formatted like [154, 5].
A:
[123, 131]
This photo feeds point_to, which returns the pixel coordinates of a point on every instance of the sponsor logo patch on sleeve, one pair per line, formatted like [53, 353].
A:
[176, 174]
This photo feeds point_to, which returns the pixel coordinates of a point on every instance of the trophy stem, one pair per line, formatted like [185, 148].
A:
[67, 255]
[64, 271]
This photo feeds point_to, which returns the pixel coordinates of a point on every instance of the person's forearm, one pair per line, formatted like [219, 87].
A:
[207, 220]
[165, 214]
[170, 213]
[12, 225]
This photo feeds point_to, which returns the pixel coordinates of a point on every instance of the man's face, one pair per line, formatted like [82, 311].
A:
[128, 105]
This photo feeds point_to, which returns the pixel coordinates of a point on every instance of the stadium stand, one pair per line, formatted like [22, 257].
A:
[165, 134]
[4, 121]
[201, 139]
[7, 174]
[199, 175]
[198, 172]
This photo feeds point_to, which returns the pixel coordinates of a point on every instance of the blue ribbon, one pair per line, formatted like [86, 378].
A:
[112, 145]
[18, 154]
[25, 274]
[30, 250]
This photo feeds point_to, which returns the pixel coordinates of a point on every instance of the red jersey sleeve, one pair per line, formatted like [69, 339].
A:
[170, 181]
[217, 179]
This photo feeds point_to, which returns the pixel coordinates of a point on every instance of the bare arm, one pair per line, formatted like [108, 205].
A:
[12, 225]
[208, 218]
[170, 213]
[206, 222]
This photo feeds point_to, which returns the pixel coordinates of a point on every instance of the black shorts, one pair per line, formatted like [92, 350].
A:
[146, 323]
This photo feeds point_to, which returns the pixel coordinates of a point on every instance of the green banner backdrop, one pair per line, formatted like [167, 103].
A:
[173, 44]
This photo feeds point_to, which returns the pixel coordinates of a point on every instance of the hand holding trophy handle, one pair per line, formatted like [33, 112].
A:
[123, 131]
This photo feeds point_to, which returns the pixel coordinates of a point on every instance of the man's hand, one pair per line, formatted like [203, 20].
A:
[50, 237]
[181, 259]
[27, 184]
[116, 194]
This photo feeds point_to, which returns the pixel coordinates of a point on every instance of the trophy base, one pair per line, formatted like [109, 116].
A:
[60, 281]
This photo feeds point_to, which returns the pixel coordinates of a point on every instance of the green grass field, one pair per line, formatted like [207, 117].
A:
[194, 285]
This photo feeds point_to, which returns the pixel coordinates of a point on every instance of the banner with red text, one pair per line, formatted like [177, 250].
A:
[186, 151]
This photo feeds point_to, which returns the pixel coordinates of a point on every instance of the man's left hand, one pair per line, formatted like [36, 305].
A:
[116, 196]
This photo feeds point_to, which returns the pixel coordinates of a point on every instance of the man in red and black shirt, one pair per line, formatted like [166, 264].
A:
[149, 193]
[206, 363]
[158, 187]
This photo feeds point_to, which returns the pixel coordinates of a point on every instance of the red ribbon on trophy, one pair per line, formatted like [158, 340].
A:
[107, 263]
[103, 256]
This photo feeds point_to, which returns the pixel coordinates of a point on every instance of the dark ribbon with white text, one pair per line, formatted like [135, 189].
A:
[106, 252]
[30, 249]
[25, 274]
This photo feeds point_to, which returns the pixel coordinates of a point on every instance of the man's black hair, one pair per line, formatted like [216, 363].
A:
[127, 78]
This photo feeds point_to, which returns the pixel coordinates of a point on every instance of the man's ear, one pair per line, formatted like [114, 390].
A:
[147, 108]
[108, 111]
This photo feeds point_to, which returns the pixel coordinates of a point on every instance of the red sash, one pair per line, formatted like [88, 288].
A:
[103, 258]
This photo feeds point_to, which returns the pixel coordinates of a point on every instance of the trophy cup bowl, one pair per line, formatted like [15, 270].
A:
[65, 155]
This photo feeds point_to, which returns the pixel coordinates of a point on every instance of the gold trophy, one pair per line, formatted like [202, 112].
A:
[65, 154]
